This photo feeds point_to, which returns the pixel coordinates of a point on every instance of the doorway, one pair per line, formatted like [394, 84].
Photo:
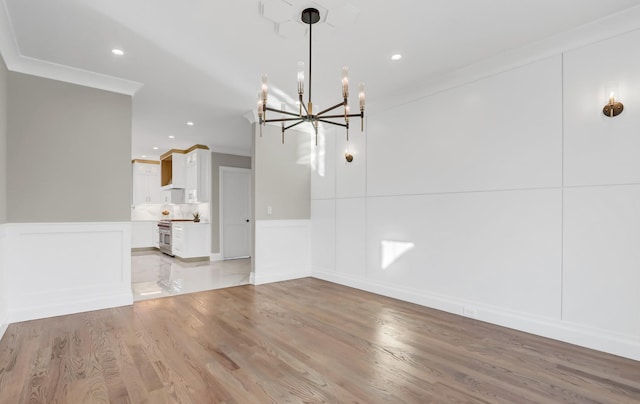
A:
[235, 212]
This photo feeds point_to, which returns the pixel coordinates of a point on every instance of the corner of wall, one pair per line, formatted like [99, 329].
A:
[4, 317]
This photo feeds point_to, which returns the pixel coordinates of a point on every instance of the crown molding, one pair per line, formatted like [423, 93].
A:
[599, 30]
[16, 62]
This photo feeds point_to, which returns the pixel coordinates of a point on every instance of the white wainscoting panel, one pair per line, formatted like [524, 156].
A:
[323, 165]
[282, 250]
[351, 177]
[501, 132]
[4, 312]
[602, 258]
[323, 235]
[493, 248]
[351, 236]
[599, 150]
[62, 268]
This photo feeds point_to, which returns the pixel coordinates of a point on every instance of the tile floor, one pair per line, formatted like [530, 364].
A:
[154, 275]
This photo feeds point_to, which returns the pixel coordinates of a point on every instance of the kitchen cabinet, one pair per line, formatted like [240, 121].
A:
[172, 165]
[145, 181]
[198, 176]
[190, 239]
[144, 234]
[171, 196]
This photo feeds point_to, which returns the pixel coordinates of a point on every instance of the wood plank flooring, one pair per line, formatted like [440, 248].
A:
[298, 341]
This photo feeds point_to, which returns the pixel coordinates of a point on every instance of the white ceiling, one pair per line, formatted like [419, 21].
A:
[201, 60]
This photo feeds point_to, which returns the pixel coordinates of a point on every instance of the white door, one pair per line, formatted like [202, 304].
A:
[235, 212]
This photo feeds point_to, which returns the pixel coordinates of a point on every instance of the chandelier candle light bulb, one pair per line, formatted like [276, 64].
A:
[310, 16]
[300, 78]
[265, 88]
[345, 83]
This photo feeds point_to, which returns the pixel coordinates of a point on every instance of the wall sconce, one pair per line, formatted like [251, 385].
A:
[348, 156]
[613, 107]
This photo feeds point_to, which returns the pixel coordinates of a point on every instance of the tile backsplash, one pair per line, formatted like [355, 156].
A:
[176, 211]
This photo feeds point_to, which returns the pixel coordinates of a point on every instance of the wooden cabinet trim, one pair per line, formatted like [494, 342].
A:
[145, 161]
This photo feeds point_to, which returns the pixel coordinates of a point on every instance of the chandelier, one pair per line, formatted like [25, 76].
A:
[305, 114]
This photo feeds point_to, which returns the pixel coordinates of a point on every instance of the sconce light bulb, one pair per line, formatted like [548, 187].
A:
[613, 107]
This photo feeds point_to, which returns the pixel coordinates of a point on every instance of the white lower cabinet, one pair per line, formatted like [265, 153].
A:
[156, 235]
[190, 240]
[144, 234]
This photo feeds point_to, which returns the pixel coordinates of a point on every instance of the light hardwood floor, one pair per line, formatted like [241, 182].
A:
[298, 341]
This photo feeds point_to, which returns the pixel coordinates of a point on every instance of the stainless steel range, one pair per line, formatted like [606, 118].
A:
[164, 230]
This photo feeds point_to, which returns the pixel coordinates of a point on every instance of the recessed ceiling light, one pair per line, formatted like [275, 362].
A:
[190, 123]
[155, 147]
[144, 157]
[171, 137]
[397, 56]
[117, 52]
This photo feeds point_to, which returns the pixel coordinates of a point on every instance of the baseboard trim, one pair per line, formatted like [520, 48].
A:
[71, 306]
[627, 346]
[278, 277]
[142, 249]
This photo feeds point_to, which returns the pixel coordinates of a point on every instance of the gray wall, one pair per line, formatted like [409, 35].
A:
[221, 160]
[70, 152]
[282, 175]
[3, 141]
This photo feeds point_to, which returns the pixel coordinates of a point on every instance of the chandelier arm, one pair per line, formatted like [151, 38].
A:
[283, 112]
[282, 119]
[333, 123]
[291, 126]
[342, 116]
[331, 108]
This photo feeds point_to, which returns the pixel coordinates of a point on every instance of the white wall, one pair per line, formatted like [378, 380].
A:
[510, 199]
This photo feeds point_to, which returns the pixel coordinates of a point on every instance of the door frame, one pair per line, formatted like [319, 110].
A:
[222, 170]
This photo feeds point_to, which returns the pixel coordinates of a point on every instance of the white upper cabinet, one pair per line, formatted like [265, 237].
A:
[172, 196]
[198, 176]
[146, 182]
